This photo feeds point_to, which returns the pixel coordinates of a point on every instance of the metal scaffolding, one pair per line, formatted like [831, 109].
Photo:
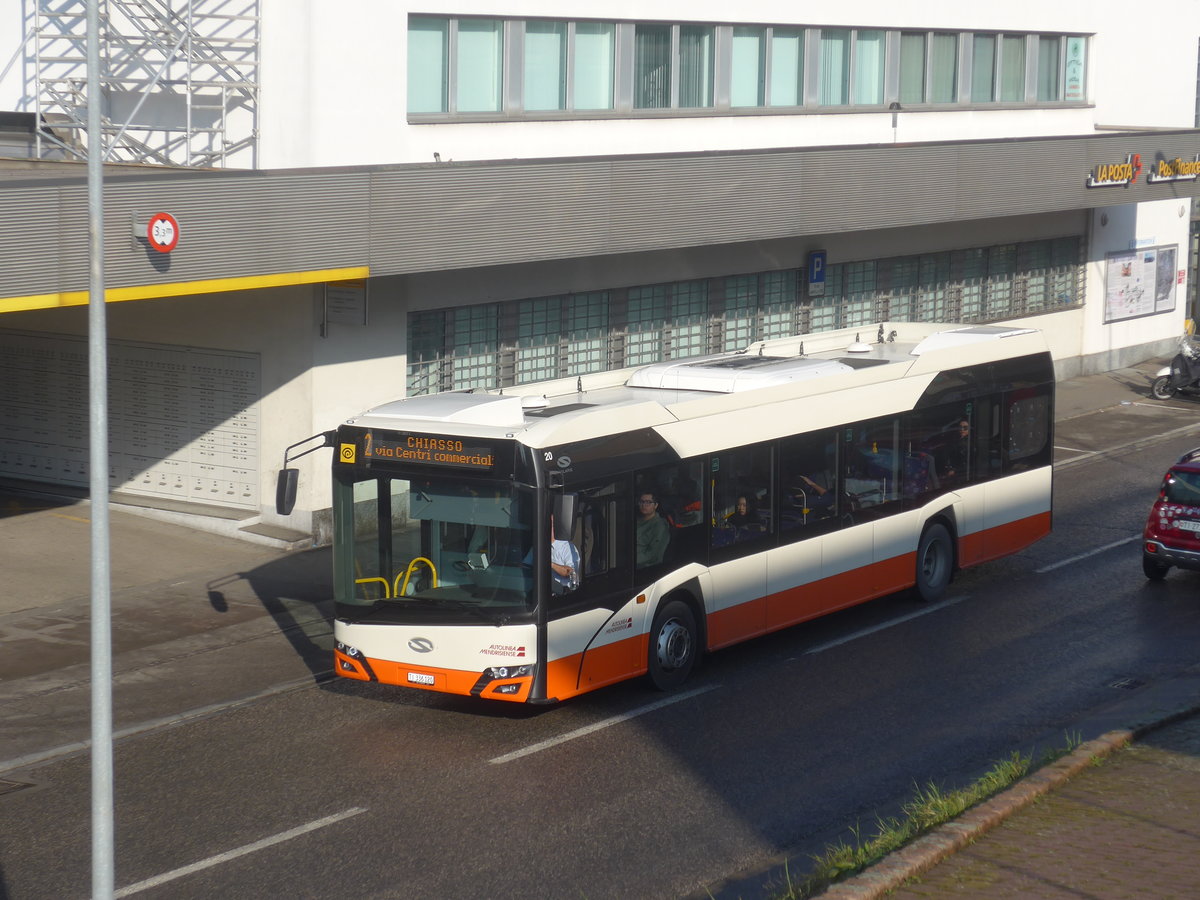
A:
[179, 79]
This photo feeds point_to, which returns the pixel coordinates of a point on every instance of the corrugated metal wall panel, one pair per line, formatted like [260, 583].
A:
[415, 218]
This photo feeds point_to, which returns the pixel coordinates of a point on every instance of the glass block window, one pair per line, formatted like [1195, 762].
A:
[741, 308]
[475, 348]
[688, 334]
[539, 323]
[972, 266]
[426, 346]
[859, 290]
[469, 347]
[1002, 263]
[932, 303]
[647, 317]
[1034, 261]
[587, 333]
[779, 304]
[901, 297]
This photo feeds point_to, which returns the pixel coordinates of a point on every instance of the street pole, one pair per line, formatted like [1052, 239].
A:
[102, 750]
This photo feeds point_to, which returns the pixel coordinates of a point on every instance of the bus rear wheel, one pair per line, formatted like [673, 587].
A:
[935, 562]
[674, 645]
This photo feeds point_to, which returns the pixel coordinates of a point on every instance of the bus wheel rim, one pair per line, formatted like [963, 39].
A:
[674, 645]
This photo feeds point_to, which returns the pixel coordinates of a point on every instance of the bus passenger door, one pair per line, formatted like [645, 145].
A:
[741, 498]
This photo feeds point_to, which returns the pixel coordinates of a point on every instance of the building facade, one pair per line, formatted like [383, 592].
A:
[492, 194]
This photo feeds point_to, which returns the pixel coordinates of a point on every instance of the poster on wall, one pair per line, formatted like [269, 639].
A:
[1139, 282]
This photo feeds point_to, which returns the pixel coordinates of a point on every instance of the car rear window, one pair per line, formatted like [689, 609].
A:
[1182, 487]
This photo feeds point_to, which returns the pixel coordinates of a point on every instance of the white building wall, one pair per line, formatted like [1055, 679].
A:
[346, 74]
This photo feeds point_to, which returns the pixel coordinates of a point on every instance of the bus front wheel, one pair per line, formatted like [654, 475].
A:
[674, 645]
[935, 562]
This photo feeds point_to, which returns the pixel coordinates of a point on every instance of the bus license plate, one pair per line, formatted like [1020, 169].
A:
[420, 678]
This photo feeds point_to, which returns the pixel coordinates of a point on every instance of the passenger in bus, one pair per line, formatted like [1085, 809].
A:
[652, 532]
[958, 454]
[564, 564]
[811, 496]
[743, 516]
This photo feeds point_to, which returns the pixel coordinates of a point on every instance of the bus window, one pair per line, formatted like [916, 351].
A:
[435, 543]
[1028, 436]
[741, 495]
[808, 483]
[936, 446]
[677, 498]
[871, 467]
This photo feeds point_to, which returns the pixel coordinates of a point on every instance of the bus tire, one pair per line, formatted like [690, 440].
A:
[674, 645]
[935, 562]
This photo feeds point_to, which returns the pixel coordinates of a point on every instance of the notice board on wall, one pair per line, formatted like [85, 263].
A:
[1139, 282]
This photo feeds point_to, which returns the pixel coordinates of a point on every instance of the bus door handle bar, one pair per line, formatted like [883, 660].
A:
[386, 586]
[401, 588]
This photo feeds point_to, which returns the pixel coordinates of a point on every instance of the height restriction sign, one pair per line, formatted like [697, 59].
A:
[162, 231]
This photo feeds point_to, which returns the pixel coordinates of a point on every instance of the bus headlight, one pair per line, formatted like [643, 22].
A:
[507, 672]
[352, 652]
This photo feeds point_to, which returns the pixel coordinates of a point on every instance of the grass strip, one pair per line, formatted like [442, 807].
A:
[929, 807]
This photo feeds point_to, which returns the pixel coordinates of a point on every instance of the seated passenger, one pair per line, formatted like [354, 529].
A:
[743, 516]
[652, 532]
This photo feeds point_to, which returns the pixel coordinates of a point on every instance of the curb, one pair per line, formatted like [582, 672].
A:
[927, 851]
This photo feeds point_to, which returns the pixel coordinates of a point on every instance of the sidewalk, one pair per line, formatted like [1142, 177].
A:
[203, 622]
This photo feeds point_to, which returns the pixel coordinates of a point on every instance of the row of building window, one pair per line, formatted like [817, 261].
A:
[495, 345]
[487, 68]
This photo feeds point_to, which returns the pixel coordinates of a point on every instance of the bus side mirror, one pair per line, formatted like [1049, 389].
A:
[565, 507]
[285, 491]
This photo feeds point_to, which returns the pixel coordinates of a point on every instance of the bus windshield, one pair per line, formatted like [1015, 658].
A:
[434, 549]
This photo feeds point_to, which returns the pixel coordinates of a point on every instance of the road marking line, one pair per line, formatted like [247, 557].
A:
[588, 729]
[1074, 559]
[72, 518]
[853, 637]
[240, 851]
[1072, 449]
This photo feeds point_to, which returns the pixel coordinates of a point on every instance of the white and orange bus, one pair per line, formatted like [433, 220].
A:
[694, 504]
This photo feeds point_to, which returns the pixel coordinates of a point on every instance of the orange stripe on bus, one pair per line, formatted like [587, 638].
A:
[1002, 540]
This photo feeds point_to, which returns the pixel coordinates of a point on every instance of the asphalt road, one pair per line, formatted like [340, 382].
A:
[776, 747]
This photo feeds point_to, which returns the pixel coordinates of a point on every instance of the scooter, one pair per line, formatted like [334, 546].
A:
[1182, 376]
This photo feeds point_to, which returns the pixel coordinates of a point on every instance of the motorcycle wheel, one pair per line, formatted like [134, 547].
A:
[1161, 388]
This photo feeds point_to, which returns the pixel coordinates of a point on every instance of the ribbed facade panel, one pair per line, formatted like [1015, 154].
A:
[408, 219]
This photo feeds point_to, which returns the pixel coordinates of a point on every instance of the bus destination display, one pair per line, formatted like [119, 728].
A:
[433, 451]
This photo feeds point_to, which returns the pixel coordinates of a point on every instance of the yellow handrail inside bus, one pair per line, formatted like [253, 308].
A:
[400, 591]
[384, 581]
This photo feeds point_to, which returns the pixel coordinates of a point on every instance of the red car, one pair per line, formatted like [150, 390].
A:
[1172, 535]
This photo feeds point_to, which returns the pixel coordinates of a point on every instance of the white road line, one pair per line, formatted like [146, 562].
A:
[1072, 449]
[1074, 559]
[853, 637]
[240, 851]
[588, 729]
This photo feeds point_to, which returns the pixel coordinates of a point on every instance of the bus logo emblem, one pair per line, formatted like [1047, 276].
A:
[420, 645]
[346, 453]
